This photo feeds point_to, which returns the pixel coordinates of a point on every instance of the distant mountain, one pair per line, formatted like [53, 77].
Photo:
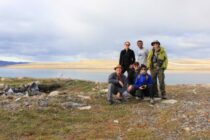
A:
[7, 63]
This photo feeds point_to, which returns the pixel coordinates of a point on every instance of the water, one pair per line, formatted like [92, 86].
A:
[171, 78]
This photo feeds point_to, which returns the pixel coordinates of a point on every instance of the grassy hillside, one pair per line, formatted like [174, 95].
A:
[65, 116]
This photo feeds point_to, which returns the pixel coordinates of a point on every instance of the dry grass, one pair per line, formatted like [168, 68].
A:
[137, 120]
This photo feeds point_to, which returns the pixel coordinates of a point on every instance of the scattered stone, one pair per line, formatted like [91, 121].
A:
[18, 99]
[157, 99]
[84, 97]
[54, 93]
[194, 91]
[169, 101]
[27, 103]
[43, 103]
[72, 105]
[104, 90]
[116, 121]
[187, 129]
[84, 108]
[19, 94]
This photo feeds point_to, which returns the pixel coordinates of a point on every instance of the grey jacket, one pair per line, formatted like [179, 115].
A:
[113, 79]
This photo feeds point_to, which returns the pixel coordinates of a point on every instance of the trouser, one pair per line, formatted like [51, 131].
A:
[130, 74]
[148, 92]
[158, 74]
[125, 68]
[113, 90]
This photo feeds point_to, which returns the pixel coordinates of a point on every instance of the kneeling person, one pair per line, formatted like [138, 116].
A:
[117, 84]
[143, 84]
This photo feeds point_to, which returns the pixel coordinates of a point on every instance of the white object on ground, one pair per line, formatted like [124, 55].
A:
[85, 108]
[194, 91]
[104, 90]
[18, 99]
[54, 93]
[172, 101]
[116, 121]
[84, 97]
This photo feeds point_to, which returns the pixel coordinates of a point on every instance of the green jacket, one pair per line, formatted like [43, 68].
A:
[161, 56]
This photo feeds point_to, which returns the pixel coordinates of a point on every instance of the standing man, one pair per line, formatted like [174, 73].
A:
[127, 57]
[157, 62]
[142, 53]
[117, 85]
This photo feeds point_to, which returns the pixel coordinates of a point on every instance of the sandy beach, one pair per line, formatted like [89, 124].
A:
[175, 65]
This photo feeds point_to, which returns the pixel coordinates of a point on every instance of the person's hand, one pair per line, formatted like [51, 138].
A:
[142, 87]
[130, 88]
[121, 83]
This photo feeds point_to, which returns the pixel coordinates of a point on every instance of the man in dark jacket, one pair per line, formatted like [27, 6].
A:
[117, 84]
[127, 57]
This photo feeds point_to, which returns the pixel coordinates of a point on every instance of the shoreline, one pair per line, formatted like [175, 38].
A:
[106, 69]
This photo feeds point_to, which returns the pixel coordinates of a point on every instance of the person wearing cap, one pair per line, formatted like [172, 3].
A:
[117, 85]
[143, 84]
[157, 62]
[127, 57]
[142, 53]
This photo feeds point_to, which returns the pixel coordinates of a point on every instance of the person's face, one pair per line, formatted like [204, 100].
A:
[143, 71]
[156, 46]
[140, 44]
[118, 71]
[127, 45]
[135, 67]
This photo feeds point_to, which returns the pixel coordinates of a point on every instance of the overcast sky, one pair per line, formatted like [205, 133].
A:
[68, 30]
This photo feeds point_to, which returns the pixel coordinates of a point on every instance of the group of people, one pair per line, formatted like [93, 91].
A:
[138, 82]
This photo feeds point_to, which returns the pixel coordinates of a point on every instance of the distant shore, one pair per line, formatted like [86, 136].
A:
[175, 65]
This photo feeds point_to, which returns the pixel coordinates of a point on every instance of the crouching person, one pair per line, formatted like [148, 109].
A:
[143, 85]
[117, 85]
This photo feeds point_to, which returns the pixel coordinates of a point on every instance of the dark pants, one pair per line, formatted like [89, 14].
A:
[148, 92]
[158, 74]
[113, 90]
[125, 68]
[130, 74]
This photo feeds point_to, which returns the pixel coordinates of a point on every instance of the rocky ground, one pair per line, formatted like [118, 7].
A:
[72, 109]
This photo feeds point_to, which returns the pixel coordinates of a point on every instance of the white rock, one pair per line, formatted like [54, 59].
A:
[85, 108]
[172, 101]
[116, 121]
[84, 97]
[54, 93]
[18, 99]
[157, 99]
[187, 129]
[104, 90]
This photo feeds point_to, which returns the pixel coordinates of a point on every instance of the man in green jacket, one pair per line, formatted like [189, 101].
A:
[157, 62]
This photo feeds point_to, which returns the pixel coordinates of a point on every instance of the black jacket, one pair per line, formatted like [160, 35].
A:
[127, 58]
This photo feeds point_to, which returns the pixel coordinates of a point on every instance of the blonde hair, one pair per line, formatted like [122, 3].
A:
[127, 42]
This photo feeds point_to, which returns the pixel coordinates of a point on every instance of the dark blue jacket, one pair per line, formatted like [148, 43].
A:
[143, 80]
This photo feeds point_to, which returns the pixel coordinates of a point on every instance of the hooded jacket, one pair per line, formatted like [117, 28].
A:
[161, 58]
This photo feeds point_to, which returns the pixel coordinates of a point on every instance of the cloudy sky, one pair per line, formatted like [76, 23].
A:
[68, 30]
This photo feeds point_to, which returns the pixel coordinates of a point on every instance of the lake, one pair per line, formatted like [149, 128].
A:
[99, 76]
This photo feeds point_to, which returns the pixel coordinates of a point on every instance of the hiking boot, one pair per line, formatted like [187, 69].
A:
[152, 101]
[111, 102]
